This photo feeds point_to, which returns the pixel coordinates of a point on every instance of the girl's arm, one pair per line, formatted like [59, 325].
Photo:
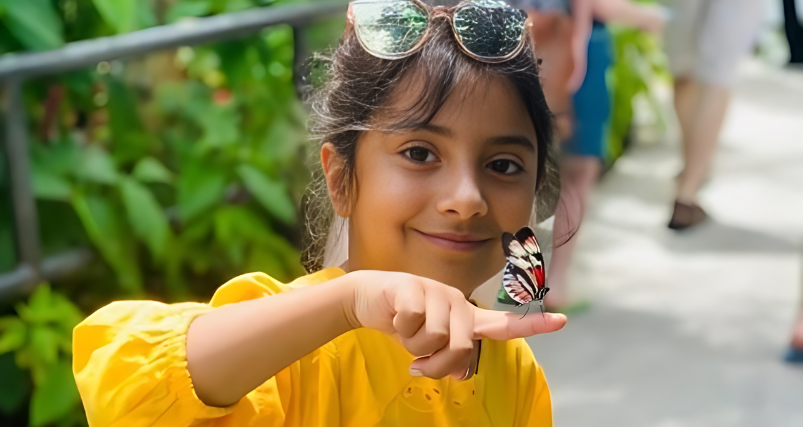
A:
[233, 349]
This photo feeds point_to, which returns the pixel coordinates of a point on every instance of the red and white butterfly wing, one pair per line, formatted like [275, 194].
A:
[524, 272]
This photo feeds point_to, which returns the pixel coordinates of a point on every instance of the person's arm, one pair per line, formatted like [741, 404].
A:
[582, 17]
[624, 12]
[233, 349]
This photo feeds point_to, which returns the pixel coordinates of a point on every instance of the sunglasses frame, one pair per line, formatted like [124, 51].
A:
[432, 14]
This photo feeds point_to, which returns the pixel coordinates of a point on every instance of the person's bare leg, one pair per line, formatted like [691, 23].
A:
[685, 100]
[700, 135]
[579, 175]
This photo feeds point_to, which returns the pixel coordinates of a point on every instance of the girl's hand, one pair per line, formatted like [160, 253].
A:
[434, 321]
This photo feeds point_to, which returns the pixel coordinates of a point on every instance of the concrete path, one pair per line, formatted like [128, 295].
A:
[687, 329]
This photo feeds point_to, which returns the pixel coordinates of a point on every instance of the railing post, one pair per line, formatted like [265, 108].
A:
[16, 139]
[301, 53]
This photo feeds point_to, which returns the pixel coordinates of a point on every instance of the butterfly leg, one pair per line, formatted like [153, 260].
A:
[525, 313]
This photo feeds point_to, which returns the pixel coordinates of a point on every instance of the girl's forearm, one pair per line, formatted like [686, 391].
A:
[235, 348]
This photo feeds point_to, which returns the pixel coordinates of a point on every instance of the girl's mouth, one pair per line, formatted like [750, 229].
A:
[455, 242]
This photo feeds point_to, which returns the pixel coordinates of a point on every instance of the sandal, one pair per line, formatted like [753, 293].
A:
[686, 215]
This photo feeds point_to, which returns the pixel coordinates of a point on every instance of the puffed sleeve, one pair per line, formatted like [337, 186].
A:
[130, 364]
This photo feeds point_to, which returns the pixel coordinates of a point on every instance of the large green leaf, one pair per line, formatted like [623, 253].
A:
[13, 333]
[149, 169]
[105, 224]
[270, 193]
[126, 15]
[200, 186]
[145, 215]
[97, 166]
[35, 23]
[47, 185]
[55, 397]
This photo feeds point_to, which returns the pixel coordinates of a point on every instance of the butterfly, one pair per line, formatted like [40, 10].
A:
[524, 278]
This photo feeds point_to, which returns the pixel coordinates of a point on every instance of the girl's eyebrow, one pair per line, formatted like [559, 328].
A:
[497, 140]
[440, 130]
[513, 140]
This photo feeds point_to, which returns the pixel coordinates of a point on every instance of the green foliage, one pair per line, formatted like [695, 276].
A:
[40, 337]
[638, 61]
[180, 170]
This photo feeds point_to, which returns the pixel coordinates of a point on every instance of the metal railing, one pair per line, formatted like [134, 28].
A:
[16, 69]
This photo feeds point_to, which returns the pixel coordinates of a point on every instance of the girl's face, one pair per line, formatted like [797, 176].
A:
[434, 201]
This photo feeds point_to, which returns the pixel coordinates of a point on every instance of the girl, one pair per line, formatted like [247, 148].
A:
[434, 131]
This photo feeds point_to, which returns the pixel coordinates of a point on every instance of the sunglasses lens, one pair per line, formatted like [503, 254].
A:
[389, 28]
[489, 31]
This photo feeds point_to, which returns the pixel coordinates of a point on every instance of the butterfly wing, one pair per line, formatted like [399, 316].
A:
[525, 267]
[517, 285]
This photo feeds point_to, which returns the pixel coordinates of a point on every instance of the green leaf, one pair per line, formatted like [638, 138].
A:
[200, 187]
[35, 23]
[49, 186]
[189, 8]
[126, 15]
[97, 166]
[272, 195]
[152, 170]
[45, 344]
[145, 215]
[40, 305]
[104, 223]
[16, 385]
[12, 334]
[55, 397]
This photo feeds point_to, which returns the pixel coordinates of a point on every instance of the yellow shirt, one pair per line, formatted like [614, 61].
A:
[131, 369]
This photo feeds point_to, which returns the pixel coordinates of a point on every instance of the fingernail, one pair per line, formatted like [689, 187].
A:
[416, 373]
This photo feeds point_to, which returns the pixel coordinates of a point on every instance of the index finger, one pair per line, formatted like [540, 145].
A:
[502, 325]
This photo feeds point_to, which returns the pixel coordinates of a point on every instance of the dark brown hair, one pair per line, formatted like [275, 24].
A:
[356, 91]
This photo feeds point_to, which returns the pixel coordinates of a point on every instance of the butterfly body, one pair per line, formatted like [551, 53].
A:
[524, 278]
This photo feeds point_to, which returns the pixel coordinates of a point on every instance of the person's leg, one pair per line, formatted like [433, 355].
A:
[579, 175]
[703, 122]
[727, 30]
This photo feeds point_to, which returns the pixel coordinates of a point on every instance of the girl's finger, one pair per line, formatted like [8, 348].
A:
[410, 310]
[454, 358]
[500, 325]
[435, 333]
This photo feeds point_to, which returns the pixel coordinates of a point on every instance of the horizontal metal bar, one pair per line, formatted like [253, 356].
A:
[25, 278]
[193, 31]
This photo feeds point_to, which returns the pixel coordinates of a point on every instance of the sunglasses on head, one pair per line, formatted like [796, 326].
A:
[486, 30]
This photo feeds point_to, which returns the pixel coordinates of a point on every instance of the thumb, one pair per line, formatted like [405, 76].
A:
[501, 325]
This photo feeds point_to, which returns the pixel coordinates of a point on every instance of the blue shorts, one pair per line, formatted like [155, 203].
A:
[592, 102]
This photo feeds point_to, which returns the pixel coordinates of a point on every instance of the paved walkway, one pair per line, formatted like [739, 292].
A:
[688, 329]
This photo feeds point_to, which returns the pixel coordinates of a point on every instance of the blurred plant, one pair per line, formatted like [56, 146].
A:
[638, 62]
[40, 337]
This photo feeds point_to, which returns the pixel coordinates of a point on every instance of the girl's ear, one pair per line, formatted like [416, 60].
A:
[332, 164]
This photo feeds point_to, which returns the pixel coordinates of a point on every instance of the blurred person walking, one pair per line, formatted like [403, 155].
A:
[704, 42]
[584, 147]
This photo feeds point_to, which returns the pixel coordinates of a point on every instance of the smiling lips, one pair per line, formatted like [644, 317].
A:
[455, 242]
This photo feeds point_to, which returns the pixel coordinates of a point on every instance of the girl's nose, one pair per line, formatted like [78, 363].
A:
[462, 196]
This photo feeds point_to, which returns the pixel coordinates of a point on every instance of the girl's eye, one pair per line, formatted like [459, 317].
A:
[420, 154]
[504, 166]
